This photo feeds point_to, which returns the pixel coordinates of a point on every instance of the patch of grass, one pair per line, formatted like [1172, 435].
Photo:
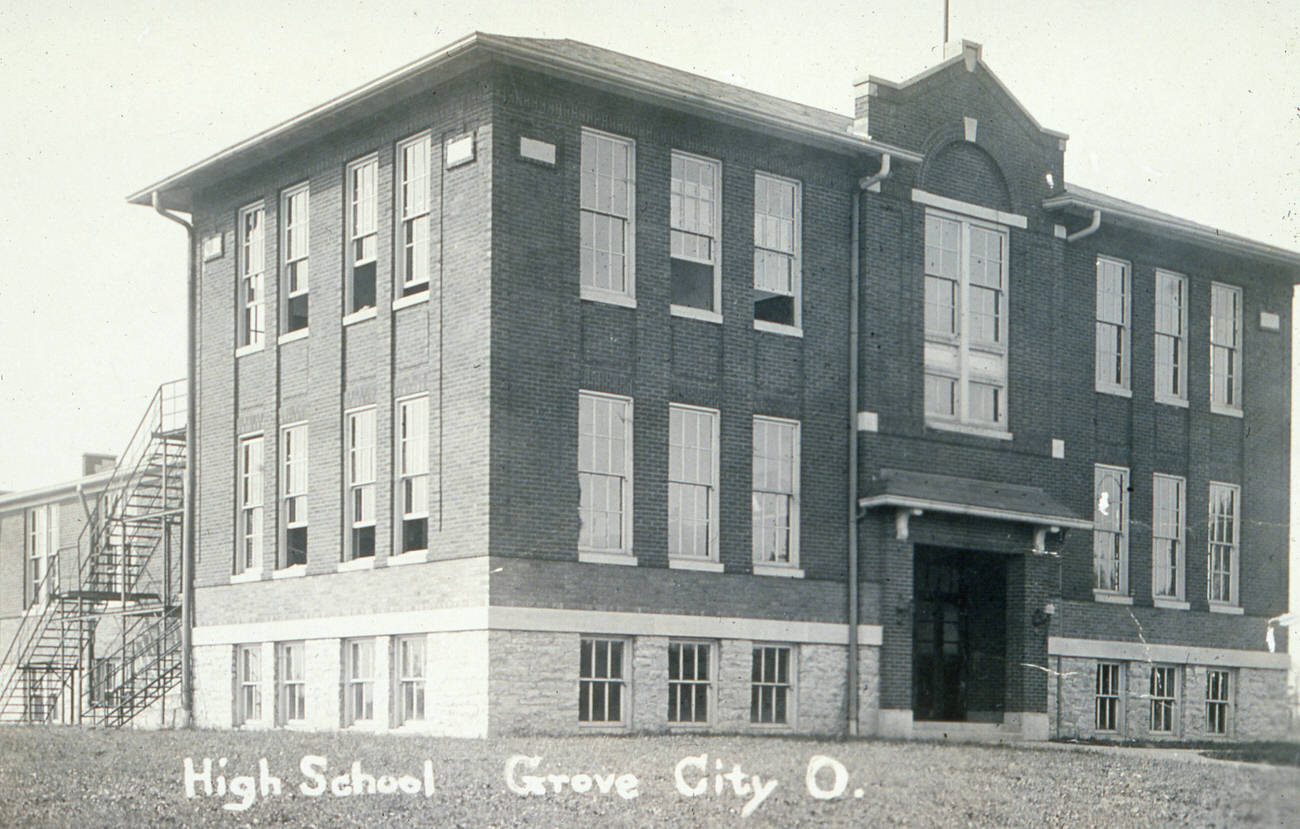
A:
[1275, 752]
[79, 777]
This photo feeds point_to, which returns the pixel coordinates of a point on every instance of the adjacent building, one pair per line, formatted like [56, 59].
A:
[545, 389]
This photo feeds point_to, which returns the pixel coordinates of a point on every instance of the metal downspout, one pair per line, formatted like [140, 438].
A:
[854, 311]
[191, 421]
[865, 184]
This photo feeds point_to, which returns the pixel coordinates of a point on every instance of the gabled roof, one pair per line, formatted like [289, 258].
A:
[971, 54]
[968, 496]
[581, 62]
[1127, 214]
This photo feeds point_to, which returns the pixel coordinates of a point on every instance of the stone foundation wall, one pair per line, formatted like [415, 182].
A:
[1257, 703]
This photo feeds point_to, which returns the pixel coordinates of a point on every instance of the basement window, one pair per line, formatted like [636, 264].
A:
[362, 234]
[1164, 698]
[690, 684]
[601, 686]
[776, 251]
[1108, 696]
[248, 668]
[1218, 701]
[695, 219]
[291, 676]
[771, 688]
[359, 685]
[294, 217]
[410, 679]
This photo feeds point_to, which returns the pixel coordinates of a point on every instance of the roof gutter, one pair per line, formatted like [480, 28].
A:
[191, 410]
[1089, 230]
[865, 184]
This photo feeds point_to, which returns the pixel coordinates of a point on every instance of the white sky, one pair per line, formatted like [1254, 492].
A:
[1187, 106]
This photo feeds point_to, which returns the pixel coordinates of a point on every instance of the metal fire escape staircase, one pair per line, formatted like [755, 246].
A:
[105, 645]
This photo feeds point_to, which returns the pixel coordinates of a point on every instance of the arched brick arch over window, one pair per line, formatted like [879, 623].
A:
[962, 170]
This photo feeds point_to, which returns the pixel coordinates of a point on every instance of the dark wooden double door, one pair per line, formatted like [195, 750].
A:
[958, 635]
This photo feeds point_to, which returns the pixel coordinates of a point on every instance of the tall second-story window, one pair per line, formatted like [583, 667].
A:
[692, 483]
[776, 251]
[607, 219]
[252, 276]
[1225, 348]
[293, 512]
[413, 472]
[249, 555]
[1113, 331]
[695, 218]
[966, 264]
[41, 569]
[359, 443]
[1110, 530]
[294, 218]
[1171, 338]
[1225, 537]
[363, 240]
[413, 198]
[1167, 534]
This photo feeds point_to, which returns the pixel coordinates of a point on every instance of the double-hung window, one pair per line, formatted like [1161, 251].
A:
[294, 214]
[1109, 683]
[1110, 530]
[777, 277]
[248, 674]
[410, 679]
[1113, 329]
[771, 689]
[293, 450]
[362, 234]
[42, 553]
[1171, 338]
[413, 472]
[776, 491]
[1218, 700]
[695, 220]
[249, 554]
[966, 264]
[604, 473]
[690, 684]
[292, 679]
[1164, 698]
[600, 681]
[1225, 349]
[1225, 530]
[252, 276]
[413, 200]
[359, 680]
[692, 483]
[359, 441]
[1168, 528]
[607, 217]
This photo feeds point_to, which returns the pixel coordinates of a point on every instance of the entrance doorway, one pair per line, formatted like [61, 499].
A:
[958, 635]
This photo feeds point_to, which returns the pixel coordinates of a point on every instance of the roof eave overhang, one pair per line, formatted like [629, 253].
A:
[1170, 226]
[973, 511]
[54, 492]
[468, 52]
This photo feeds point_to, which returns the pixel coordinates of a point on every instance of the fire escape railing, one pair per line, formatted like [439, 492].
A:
[127, 566]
